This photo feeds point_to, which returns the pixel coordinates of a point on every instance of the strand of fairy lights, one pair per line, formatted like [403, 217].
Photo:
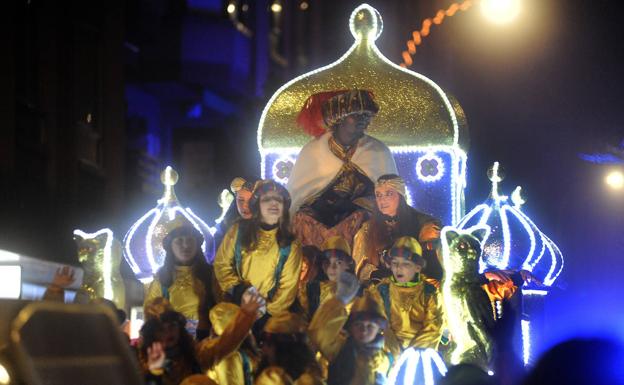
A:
[425, 29]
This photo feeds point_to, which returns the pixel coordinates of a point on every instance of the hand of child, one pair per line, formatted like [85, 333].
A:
[63, 277]
[155, 356]
[429, 232]
[347, 287]
[253, 303]
[528, 277]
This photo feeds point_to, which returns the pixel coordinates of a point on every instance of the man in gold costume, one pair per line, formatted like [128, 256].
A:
[332, 181]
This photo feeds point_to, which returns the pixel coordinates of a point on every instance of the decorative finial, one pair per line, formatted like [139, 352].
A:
[516, 198]
[496, 175]
[226, 198]
[365, 23]
[169, 177]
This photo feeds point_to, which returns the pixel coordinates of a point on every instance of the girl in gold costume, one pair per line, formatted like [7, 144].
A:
[186, 280]
[242, 190]
[393, 218]
[412, 305]
[260, 254]
[335, 258]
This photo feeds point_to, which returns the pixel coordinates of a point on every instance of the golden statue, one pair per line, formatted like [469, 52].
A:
[99, 254]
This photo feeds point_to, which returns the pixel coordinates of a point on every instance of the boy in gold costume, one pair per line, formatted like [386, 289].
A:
[353, 343]
[335, 258]
[411, 304]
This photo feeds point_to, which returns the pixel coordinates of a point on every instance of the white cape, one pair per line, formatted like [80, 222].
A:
[317, 166]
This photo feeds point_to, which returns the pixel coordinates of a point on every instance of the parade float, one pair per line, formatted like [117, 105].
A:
[426, 130]
[427, 133]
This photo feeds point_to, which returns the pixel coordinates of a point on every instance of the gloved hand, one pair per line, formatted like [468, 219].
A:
[252, 294]
[347, 287]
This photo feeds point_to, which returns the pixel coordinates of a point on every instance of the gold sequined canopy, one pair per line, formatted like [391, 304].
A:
[413, 110]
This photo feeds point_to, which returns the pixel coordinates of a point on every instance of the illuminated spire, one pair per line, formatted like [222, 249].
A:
[143, 247]
[515, 242]
[496, 175]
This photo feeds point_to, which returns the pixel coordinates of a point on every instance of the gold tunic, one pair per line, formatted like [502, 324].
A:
[258, 267]
[182, 293]
[220, 357]
[327, 335]
[360, 246]
[415, 317]
[274, 375]
[327, 289]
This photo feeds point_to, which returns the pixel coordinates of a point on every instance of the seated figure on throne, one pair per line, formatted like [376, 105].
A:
[332, 182]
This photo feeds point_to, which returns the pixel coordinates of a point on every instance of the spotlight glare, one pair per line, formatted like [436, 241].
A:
[276, 7]
[615, 180]
[303, 5]
[5, 378]
[231, 8]
[500, 11]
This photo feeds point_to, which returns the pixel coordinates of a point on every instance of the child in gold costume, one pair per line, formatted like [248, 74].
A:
[186, 279]
[391, 219]
[230, 356]
[411, 304]
[168, 354]
[352, 343]
[261, 253]
[287, 358]
[335, 258]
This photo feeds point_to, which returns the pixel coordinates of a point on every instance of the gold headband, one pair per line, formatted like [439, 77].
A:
[397, 184]
[239, 183]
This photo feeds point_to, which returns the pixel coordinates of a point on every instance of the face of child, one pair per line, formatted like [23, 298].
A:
[271, 207]
[170, 335]
[387, 200]
[364, 331]
[403, 269]
[333, 266]
[242, 203]
[184, 248]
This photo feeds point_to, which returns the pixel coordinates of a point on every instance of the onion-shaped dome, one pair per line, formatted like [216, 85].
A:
[143, 248]
[413, 110]
[514, 241]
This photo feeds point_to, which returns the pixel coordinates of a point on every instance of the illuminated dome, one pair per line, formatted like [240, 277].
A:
[514, 241]
[414, 111]
[424, 128]
[143, 247]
